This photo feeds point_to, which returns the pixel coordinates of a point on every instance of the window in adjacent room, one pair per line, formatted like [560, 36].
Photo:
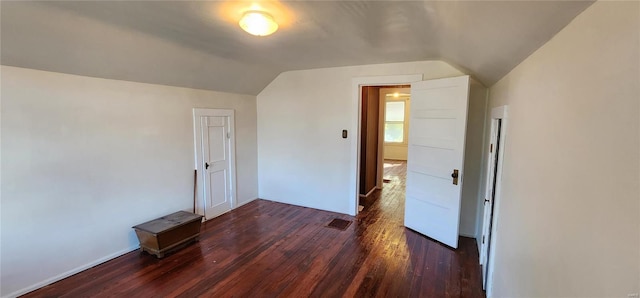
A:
[394, 122]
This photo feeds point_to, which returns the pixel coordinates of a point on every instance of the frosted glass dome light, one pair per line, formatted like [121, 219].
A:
[258, 23]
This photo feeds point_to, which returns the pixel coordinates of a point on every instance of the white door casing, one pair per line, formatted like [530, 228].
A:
[437, 129]
[488, 199]
[214, 135]
[492, 193]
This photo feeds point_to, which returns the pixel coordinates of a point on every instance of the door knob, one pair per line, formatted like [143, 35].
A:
[454, 175]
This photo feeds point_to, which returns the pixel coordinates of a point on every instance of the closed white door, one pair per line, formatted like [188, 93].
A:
[438, 118]
[214, 136]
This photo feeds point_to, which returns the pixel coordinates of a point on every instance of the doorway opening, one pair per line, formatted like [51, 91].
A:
[383, 138]
[356, 147]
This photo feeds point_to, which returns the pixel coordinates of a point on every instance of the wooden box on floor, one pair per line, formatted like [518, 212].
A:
[169, 232]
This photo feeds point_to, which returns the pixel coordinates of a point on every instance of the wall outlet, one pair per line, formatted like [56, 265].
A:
[633, 295]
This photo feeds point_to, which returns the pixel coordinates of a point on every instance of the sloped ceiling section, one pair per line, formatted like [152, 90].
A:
[199, 45]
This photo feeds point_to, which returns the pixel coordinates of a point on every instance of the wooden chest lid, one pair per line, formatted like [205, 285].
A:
[168, 222]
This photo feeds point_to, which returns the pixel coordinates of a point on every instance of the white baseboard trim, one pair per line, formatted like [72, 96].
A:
[467, 235]
[307, 206]
[369, 193]
[244, 203]
[71, 272]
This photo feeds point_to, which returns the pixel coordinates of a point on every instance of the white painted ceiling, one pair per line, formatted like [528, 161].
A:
[198, 44]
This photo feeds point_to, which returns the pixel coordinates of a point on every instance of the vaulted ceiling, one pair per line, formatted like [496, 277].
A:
[199, 44]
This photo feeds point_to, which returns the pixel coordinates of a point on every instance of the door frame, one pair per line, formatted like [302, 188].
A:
[497, 113]
[198, 113]
[356, 85]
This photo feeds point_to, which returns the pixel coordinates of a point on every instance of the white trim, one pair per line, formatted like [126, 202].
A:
[496, 113]
[491, 157]
[72, 272]
[369, 193]
[247, 202]
[499, 112]
[356, 85]
[199, 161]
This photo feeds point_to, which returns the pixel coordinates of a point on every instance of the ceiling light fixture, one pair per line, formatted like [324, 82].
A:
[258, 23]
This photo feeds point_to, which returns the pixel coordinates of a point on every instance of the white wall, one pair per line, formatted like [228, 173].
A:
[396, 151]
[569, 215]
[85, 159]
[472, 188]
[302, 158]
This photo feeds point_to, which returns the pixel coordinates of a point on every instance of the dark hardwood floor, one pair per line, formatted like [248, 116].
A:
[266, 249]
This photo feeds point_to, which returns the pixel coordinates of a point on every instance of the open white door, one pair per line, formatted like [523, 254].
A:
[437, 128]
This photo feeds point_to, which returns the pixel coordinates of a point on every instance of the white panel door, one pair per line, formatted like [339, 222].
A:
[438, 119]
[217, 164]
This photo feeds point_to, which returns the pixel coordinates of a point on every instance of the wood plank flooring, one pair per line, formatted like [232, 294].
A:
[269, 249]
